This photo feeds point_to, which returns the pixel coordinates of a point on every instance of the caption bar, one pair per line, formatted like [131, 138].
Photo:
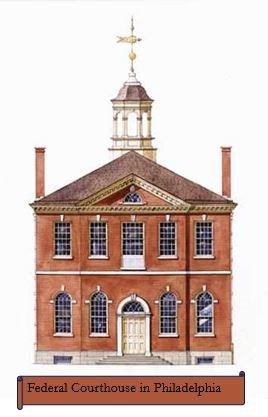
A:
[98, 390]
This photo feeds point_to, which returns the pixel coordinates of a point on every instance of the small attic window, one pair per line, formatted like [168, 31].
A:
[133, 197]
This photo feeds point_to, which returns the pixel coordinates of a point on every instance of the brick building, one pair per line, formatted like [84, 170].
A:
[133, 261]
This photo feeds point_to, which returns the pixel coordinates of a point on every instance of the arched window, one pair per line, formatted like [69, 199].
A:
[98, 313]
[204, 313]
[132, 124]
[63, 313]
[168, 313]
[132, 198]
[133, 307]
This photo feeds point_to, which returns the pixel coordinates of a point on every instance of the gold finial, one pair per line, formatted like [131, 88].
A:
[130, 39]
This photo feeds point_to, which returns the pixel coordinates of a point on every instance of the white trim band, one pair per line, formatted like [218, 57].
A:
[131, 272]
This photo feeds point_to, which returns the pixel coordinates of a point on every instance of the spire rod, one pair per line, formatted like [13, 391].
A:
[131, 39]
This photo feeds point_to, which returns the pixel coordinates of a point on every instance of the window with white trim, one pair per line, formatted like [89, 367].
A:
[204, 313]
[98, 313]
[203, 238]
[132, 238]
[98, 239]
[168, 313]
[63, 313]
[167, 239]
[62, 239]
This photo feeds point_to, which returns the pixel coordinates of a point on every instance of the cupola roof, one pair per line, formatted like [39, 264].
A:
[132, 92]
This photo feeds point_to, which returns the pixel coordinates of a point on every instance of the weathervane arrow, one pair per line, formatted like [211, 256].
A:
[128, 39]
[131, 39]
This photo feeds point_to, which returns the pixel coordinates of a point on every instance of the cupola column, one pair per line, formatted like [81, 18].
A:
[149, 124]
[115, 129]
[125, 124]
[139, 124]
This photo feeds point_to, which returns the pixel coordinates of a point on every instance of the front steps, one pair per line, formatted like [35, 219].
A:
[133, 360]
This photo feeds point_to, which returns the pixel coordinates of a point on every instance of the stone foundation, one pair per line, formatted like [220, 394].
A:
[175, 358]
[77, 357]
[195, 357]
[218, 357]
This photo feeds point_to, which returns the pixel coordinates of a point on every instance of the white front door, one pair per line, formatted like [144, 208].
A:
[133, 334]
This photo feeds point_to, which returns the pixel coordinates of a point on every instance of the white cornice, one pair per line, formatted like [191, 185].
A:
[57, 208]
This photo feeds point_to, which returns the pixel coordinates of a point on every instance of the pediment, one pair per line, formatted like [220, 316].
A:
[151, 195]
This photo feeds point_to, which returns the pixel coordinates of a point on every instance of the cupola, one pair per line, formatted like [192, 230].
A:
[132, 113]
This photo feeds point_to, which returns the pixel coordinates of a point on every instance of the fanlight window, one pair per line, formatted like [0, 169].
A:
[204, 313]
[133, 198]
[133, 307]
[98, 308]
[168, 313]
[63, 313]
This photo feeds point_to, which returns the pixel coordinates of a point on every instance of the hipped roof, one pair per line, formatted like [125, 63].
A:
[135, 164]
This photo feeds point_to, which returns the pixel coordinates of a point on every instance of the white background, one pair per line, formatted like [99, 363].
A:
[205, 64]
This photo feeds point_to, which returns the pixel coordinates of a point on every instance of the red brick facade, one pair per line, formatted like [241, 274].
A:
[184, 275]
[183, 300]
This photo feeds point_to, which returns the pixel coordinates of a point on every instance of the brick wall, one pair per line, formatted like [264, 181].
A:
[149, 287]
[80, 243]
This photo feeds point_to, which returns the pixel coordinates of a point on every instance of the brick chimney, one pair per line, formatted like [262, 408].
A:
[226, 171]
[39, 172]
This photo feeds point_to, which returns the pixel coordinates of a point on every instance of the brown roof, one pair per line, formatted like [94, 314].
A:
[132, 92]
[134, 163]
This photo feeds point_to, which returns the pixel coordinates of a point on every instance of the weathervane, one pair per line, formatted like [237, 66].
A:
[130, 39]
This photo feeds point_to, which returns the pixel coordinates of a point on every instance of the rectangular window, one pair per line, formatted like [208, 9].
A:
[204, 360]
[58, 360]
[203, 238]
[132, 238]
[98, 239]
[62, 239]
[167, 239]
